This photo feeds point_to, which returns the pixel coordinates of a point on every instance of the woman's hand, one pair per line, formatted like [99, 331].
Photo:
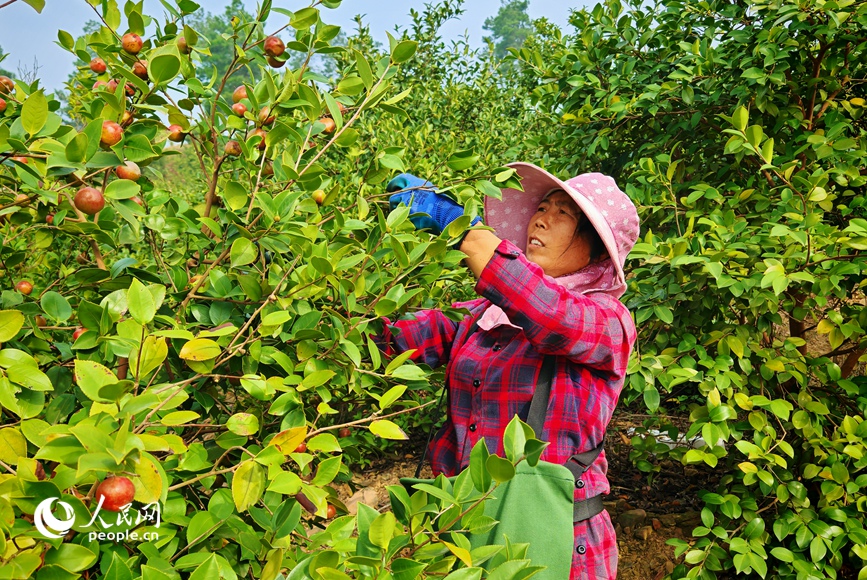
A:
[421, 198]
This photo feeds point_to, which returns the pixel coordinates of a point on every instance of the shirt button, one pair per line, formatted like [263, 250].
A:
[497, 347]
[579, 483]
[514, 253]
[473, 427]
[581, 549]
[477, 382]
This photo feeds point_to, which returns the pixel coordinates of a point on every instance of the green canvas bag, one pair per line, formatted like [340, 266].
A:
[537, 506]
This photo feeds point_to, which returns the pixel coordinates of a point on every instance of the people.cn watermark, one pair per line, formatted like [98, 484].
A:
[49, 524]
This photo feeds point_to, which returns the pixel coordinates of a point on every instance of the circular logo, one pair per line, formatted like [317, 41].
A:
[47, 524]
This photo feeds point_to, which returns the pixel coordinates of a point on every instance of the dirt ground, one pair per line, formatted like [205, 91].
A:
[645, 515]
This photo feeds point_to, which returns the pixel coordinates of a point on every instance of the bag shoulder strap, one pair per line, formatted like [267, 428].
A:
[578, 463]
[473, 327]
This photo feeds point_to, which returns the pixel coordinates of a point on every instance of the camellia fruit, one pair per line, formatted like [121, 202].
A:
[126, 119]
[2, 105]
[239, 109]
[97, 65]
[78, 332]
[330, 512]
[89, 200]
[112, 133]
[131, 42]
[319, 197]
[112, 85]
[138, 200]
[7, 85]
[261, 133]
[99, 85]
[302, 448]
[232, 148]
[49, 219]
[329, 123]
[276, 63]
[265, 117]
[239, 94]
[176, 133]
[25, 287]
[40, 320]
[128, 170]
[274, 46]
[22, 199]
[183, 46]
[140, 69]
[115, 493]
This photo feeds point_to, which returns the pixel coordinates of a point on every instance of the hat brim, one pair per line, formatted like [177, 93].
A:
[537, 183]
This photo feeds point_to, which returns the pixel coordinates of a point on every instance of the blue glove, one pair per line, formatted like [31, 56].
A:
[440, 210]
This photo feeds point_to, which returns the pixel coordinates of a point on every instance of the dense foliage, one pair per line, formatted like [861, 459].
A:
[211, 340]
[739, 130]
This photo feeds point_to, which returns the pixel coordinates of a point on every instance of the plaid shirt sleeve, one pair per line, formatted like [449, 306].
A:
[596, 332]
[430, 332]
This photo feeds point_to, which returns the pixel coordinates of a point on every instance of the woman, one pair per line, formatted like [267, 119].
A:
[550, 276]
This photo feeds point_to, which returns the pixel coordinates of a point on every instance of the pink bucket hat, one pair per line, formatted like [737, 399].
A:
[608, 209]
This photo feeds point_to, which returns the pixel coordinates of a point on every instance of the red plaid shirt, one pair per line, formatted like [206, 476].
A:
[492, 375]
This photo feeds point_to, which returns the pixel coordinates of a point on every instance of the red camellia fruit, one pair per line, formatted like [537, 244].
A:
[137, 200]
[329, 123]
[112, 85]
[78, 332]
[265, 117]
[97, 65]
[183, 46]
[274, 46]
[302, 448]
[126, 119]
[239, 94]
[49, 219]
[176, 133]
[40, 320]
[99, 85]
[140, 69]
[319, 197]
[261, 133]
[130, 89]
[346, 431]
[330, 512]
[25, 287]
[232, 149]
[239, 109]
[115, 492]
[131, 42]
[128, 170]
[2, 105]
[275, 62]
[89, 200]
[7, 85]
[112, 133]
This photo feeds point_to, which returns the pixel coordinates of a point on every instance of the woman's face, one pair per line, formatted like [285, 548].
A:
[553, 225]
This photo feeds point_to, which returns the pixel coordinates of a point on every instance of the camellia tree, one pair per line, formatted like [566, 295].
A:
[739, 130]
[208, 361]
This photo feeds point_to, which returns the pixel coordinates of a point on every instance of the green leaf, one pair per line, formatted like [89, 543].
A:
[387, 430]
[149, 356]
[403, 51]
[304, 18]
[382, 530]
[141, 303]
[13, 446]
[243, 252]
[37, 5]
[243, 424]
[200, 349]
[740, 118]
[392, 395]
[76, 149]
[179, 418]
[11, 322]
[500, 469]
[34, 113]
[29, 377]
[248, 483]
[164, 68]
[56, 306]
[122, 189]
[478, 466]
[91, 377]
[327, 471]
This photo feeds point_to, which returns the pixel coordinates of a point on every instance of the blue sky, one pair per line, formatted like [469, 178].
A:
[26, 35]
